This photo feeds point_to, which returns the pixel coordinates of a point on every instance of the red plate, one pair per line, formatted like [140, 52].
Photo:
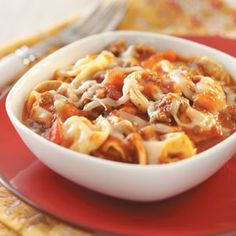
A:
[207, 209]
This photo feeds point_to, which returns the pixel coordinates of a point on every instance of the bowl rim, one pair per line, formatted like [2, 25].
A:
[113, 164]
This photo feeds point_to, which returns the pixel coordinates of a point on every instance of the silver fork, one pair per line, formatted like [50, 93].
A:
[104, 17]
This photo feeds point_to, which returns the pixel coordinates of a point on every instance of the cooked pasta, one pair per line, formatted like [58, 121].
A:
[135, 105]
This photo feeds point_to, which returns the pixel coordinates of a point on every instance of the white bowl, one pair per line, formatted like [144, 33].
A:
[127, 181]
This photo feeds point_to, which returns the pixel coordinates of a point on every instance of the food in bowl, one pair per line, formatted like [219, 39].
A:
[123, 180]
[135, 104]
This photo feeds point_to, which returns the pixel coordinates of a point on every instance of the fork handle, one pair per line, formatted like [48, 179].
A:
[15, 64]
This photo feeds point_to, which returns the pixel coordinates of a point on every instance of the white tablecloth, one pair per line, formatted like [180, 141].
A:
[20, 18]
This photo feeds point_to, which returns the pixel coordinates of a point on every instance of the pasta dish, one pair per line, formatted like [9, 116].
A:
[135, 104]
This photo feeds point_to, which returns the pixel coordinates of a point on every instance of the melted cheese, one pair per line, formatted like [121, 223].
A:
[209, 91]
[162, 128]
[130, 52]
[66, 90]
[208, 84]
[153, 149]
[134, 119]
[41, 115]
[131, 88]
[230, 96]
[213, 69]
[85, 86]
[174, 144]
[120, 128]
[121, 132]
[89, 94]
[59, 102]
[114, 143]
[141, 153]
[103, 61]
[184, 83]
[80, 62]
[200, 119]
[128, 69]
[165, 65]
[83, 136]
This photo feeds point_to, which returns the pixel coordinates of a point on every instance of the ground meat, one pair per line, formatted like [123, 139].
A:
[117, 47]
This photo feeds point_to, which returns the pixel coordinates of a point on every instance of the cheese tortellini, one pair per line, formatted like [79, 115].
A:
[135, 105]
[81, 135]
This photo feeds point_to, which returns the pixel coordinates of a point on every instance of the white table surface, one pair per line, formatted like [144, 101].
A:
[19, 18]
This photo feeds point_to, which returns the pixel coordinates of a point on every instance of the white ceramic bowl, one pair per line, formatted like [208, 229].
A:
[127, 181]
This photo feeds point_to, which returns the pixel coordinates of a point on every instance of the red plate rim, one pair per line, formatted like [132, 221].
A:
[5, 183]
